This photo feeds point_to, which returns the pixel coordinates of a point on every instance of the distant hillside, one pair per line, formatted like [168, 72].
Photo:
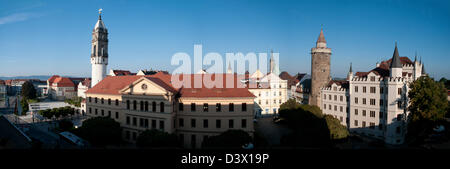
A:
[40, 77]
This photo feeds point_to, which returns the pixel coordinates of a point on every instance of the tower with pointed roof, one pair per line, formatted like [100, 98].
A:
[99, 51]
[320, 69]
[350, 73]
[395, 69]
[274, 68]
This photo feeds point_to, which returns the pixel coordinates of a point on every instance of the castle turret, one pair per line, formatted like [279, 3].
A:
[99, 54]
[320, 69]
[350, 73]
[396, 64]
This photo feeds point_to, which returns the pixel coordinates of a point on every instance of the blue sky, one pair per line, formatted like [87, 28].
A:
[45, 37]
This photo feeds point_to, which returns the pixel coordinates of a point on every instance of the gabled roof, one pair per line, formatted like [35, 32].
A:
[122, 72]
[114, 84]
[342, 83]
[52, 79]
[63, 82]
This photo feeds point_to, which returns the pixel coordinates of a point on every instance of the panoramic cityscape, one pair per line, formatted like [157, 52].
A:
[162, 74]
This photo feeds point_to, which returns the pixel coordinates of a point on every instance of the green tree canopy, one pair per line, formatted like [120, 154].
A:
[428, 106]
[156, 138]
[311, 128]
[228, 139]
[28, 90]
[100, 131]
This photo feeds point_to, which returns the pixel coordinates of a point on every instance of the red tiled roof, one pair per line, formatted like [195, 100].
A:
[63, 82]
[122, 72]
[52, 79]
[2, 82]
[113, 84]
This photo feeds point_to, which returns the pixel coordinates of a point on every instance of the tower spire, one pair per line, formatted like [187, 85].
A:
[396, 63]
[350, 67]
[415, 57]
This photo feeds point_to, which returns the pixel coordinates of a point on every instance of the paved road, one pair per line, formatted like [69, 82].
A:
[271, 131]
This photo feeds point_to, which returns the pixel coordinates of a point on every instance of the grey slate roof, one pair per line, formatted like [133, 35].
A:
[396, 63]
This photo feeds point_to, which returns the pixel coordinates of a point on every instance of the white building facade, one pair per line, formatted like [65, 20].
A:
[374, 103]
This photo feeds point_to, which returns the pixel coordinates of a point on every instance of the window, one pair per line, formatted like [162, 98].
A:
[102, 101]
[180, 106]
[372, 89]
[356, 89]
[364, 100]
[128, 120]
[399, 104]
[205, 123]
[363, 124]
[134, 105]
[356, 111]
[364, 112]
[335, 98]
[117, 115]
[341, 109]
[90, 99]
[218, 124]
[340, 98]
[324, 97]
[280, 93]
[153, 124]
[356, 122]
[372, 113]
[205, 107]
[109, 101]
[141, 122]
[231, 107]
[364, 89]
[244, 106]
[325, 106]
[372, 78]
[134, 121]
[341, 119]
[372, 102]
[218, 107]
[103, 112]
[161, 124]
[117, 102]
[193, 141]
[193, 123]
[230, 123]
[146, 123]
[161, 106]
[356, 100]
[146, 106]
[96, 112]
[329, 97]
[109, 113]
[181, 122]
[142, 105]
[274, 101]
[329, 106]
[372, 125]
[381, 90]
[90, 110]
[244, 123]
[192, 106]
[399, 91]
[95, 99]
[335, 108]
[128, 104]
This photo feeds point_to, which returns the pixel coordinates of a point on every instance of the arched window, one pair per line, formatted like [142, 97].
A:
[95, 49]
[161, 106]
[154, 106]
[134, 104]
[146, 105]
[142, 105]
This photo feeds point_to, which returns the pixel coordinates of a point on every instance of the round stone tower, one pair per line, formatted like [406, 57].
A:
[320, 69]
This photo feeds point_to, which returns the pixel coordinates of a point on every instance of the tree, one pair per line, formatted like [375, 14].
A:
[310, 127]
[228, 139]
[156, 138]
[100, 131]
[28, 90]
[445, 82]
[428, 106]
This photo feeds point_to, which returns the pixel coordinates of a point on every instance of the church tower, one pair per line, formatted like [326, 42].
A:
[99, 54]
[320, 69]
[396, 67]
